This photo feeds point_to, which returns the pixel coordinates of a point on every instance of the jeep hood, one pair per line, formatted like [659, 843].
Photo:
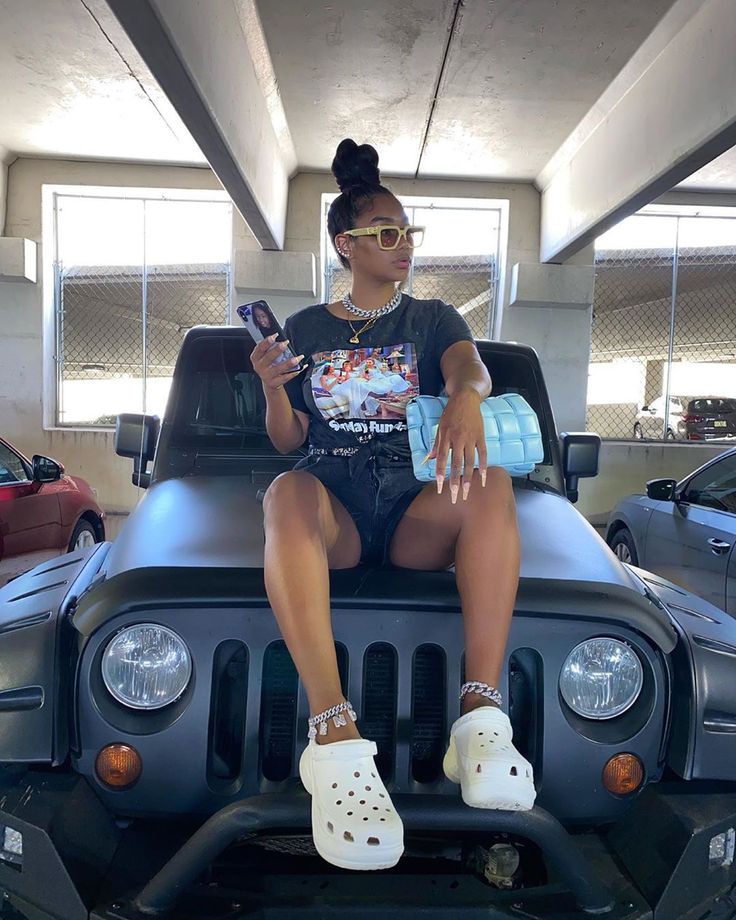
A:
[205, 523]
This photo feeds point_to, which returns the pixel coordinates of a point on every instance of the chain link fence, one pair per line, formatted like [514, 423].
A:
[119, 327]
[119, 332]
[663, 347]
[469, 283]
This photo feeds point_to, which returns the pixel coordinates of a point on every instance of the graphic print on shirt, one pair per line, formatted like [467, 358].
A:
[365, 390]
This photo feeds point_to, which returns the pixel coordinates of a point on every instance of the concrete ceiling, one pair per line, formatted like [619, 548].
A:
[488, 89]
[719, 174]
[494, 98]
[73, 86]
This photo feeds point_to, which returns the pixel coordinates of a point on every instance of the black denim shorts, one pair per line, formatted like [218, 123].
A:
[376, 490]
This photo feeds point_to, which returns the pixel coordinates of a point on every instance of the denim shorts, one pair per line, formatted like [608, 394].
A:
[376, 490]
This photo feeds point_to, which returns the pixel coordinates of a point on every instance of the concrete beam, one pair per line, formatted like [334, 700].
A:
[267, 273]
[678, 115]
[560, 286]
[17, 259]
[199, 55]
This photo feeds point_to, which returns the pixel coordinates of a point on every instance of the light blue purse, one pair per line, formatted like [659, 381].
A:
[513, 436]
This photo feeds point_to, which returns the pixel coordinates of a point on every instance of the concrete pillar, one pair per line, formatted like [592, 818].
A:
[653, 380]
[286, 280]
[17, 259]
[550, 308]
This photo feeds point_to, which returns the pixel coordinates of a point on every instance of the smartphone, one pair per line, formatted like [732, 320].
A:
[260, 322]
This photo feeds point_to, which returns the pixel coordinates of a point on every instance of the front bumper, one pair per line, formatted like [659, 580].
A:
[77, 863]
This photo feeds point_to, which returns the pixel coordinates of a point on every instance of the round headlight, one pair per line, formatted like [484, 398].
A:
[146, 666]
[601, 678]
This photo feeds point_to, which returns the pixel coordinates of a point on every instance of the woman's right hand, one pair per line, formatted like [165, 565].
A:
[274, 376]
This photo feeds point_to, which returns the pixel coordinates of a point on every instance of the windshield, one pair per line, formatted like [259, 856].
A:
[220, 403]
[220, 406]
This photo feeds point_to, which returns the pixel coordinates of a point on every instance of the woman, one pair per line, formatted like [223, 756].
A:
[355, 498]
[264, 321]
[328, 378]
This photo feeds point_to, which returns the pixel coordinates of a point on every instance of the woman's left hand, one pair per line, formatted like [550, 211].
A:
[459, 435]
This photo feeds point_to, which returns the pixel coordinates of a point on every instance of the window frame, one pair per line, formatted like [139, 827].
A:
[50, 192]
[677, 212]
[685, 494]
[21, 461]
[438, 203]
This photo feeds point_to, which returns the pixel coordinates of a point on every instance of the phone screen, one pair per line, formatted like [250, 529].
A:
[259, 320]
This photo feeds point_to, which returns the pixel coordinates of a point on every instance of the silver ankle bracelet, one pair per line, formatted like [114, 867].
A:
[335, 713]
[477, 686]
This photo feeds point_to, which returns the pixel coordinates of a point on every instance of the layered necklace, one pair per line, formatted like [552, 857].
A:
[372, 316]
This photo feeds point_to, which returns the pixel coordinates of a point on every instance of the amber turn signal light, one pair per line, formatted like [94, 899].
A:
[623, 774]
[118, 765]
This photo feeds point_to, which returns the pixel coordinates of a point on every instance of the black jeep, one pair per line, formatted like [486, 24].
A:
[621, 692]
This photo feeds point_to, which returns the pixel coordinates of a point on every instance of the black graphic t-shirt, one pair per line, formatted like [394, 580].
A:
[356, 392]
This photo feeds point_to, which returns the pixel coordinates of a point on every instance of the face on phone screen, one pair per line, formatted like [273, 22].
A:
[260, 322]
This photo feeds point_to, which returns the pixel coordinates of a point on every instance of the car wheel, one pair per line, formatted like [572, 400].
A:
[622, 543]
[83, 536]
[638, 433]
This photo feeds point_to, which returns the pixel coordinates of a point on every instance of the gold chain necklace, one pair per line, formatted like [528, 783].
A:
[356, 332]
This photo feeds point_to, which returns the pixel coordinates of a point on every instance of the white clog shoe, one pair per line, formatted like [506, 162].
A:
[354, 823]
[482, 758]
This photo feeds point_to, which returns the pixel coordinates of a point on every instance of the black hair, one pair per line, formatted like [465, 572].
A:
[355, 169]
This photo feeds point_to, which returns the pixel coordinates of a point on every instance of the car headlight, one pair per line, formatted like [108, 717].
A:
[146, 666]
[601, 678]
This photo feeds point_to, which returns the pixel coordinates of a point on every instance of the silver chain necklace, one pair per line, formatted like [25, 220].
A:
[347, 302]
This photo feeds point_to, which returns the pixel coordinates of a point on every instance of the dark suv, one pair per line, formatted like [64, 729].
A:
[116, 805]
[708, 418]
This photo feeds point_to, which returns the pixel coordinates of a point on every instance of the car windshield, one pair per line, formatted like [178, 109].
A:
[220, 404]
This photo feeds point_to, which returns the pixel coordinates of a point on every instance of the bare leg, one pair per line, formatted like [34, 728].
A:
[308, 531]
[481, 536]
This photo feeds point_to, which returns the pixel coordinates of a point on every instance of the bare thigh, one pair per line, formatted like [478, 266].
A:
[426, 535]
[297, 500]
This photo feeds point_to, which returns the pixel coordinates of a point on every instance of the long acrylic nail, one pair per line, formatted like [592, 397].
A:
[466, 489]
[425, 459]
[483, 478]
[440, 483]
[454, 489]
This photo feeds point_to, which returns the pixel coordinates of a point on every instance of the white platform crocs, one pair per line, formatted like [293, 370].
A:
[482, 758]
[354, 823]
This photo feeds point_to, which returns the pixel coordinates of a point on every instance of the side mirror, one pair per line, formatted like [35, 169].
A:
[45, 469]
[135, 437]
[661, 490]
[580, 456]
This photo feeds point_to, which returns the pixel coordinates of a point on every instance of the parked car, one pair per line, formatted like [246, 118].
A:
[151, 718]
[684, 531]
[708, 418]
[43, 511]
[651, 422]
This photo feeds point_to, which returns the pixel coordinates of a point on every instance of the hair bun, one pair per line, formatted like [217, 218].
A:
[355, 168]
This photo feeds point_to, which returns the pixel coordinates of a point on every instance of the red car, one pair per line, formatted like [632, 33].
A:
[43, 512]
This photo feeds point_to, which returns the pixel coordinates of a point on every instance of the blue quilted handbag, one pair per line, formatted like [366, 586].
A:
[513, 437]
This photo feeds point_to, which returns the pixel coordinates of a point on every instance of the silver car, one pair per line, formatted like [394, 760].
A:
[684, 531]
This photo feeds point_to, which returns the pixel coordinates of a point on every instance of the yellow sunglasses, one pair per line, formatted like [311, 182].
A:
[389, 237]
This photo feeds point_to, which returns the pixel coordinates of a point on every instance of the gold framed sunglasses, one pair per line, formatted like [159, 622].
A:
[389, 236]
